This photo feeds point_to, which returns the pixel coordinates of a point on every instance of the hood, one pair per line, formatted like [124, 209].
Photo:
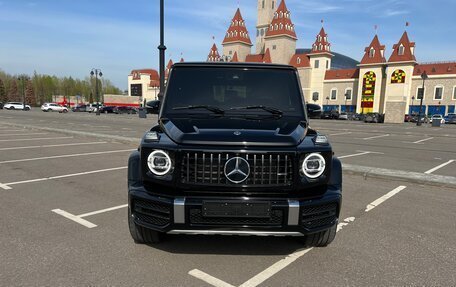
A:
[286, 131]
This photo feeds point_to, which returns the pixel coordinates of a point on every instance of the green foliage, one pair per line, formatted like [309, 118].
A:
[30, 94]
[3, 95]
[44, 87]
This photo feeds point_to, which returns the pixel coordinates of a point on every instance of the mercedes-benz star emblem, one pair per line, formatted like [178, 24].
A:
[237, 169]
[237, 133]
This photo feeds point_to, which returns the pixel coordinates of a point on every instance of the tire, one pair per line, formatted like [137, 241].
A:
[143, 235]
[49, 110]
[320, 239]
[12, 108]
[65, 111]
[27, 109]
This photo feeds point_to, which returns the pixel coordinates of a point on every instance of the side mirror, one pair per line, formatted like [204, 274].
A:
[153, 107]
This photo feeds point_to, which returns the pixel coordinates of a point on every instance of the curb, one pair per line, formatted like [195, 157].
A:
[365, 171]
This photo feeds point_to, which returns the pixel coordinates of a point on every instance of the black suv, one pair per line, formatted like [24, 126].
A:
[233, 153]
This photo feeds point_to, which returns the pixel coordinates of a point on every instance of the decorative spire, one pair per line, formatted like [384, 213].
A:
[168, 67]
[281, 24]
[235, 58]
[214, 55]
[403, 51]
[237, 32]
[374, 53]
[321, 44]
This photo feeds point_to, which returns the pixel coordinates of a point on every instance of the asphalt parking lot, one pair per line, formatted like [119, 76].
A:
[64, 218]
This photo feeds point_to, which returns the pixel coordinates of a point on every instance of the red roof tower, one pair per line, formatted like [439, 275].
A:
[237, 32]
[281, 24]
[404, 51]
[374, 53]
[235, 58]
[321, 44]
[214, 55]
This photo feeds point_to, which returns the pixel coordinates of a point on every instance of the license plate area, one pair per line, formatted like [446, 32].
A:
[236, 209]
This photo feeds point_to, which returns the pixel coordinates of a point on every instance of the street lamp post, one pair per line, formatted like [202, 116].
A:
[424, 76]
[413, 100]
[162, 49]
[97, 72]
[23, 78]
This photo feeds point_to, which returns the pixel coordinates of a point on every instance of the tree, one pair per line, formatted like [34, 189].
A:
[13, 94]
[3, 96]
[30, 98]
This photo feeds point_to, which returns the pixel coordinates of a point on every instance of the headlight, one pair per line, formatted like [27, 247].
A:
[313, 165]
[159, 162]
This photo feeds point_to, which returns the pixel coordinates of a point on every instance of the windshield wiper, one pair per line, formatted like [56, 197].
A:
[213, 109]
[272, 110]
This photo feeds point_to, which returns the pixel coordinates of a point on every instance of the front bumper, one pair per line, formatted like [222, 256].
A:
[290, 217]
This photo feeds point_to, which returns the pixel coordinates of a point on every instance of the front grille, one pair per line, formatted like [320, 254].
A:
[276, 219]
[318, 215]
[265, 169]
[154, 213]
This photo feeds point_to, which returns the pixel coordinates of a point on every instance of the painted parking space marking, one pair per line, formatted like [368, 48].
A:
[35, 139]
[28, 134]
[339, 134]
[80, 218]
[66, 156]
[439, 167]
[360, 153]
[283, 263]
[423, 140]
[384, 198]
[376, 137]
[51, 145]
[7, 130]
[8, 185]
[4, 186]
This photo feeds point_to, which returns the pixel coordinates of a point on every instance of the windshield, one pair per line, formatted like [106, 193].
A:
[233, 91]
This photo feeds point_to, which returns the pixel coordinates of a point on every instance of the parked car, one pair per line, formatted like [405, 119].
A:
[437, 117]
[53, 107]
[374, 118]
[358, 117]
[333, 115]
[447, 117]
[343, 116]
[451, 119]
[79, 108]
[124, 110]
[92, 108]
[16, 106]
[408, 118]
[314, 111]
[107, 109]
[153, 107]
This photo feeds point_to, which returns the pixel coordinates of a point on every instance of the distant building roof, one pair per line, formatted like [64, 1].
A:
[237, 32]
[259, 58]
[377, 56]
[342, 74]
[281, 23]
[214, 55]
[435, 69]
[338, 62]
[300, 61]
[321, 44]
[404, 50]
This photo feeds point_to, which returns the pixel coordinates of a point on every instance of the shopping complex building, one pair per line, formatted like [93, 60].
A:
[384, 82]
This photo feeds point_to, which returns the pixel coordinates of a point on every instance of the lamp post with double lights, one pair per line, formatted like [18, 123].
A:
[97, 72]
[413, 100]
[162, 49]
[424, 76]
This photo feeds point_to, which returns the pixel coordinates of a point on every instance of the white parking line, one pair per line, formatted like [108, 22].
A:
[79, 218]
[29, 134]
[376, 137]
[423, 140]
[7, 185]
[6, 130]
[281, 264]
[439, 167]
[340, 134]
[382, 199]
[66, 155]
[35, 139]
[360, 152]
[51, 145]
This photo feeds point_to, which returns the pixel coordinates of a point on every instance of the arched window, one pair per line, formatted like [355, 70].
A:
[398, 77]
[299, 60]
[401, 50]
[315, 96]
[371, 52]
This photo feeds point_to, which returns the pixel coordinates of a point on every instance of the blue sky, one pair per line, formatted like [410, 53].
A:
[68, 38]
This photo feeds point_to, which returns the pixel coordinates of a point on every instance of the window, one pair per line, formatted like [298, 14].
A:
[419, 93]
[401, 50]
[348, 94]
[315, 96]
[454, 93]
[258, 32]
[327, 64]
[438, 93]
[371, 53]
[299, 62]
[230, 52]
[398, 77]
[273, 5]
[262, 4]
[317, 64]
[274, 47]
[333, 94]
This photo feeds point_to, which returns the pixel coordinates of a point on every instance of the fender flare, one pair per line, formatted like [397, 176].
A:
[336, 173]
